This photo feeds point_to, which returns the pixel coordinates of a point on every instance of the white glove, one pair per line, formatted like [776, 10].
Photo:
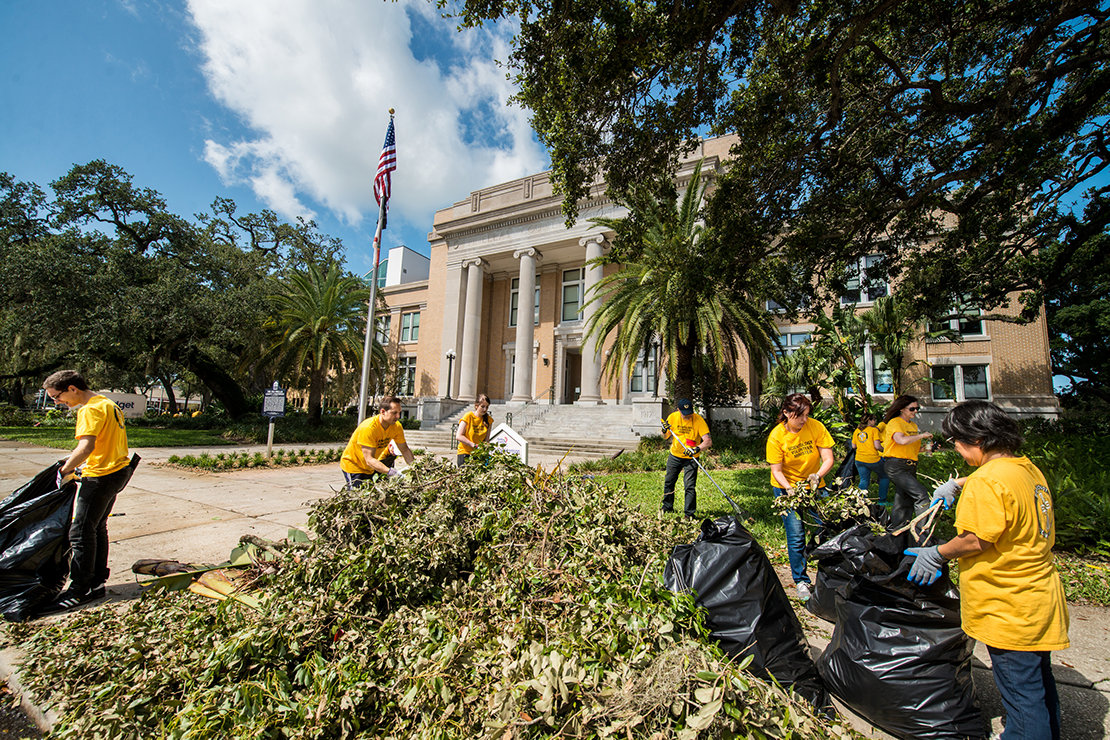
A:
[392, 472]
[814, 481]
[946, 492]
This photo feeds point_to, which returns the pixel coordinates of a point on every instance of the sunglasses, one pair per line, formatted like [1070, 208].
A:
[54, 396]
[913, 408]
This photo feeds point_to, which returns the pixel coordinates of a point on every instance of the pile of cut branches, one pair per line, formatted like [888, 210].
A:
[493, 601]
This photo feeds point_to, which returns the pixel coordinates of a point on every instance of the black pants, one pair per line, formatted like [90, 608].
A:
[910, 496]
[88, 533]
[689, 478]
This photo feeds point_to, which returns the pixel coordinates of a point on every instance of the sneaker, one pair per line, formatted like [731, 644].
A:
[98, 592]
[803, 590]
[68, 600]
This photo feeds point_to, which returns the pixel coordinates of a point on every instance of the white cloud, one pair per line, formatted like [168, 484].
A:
[312, 81]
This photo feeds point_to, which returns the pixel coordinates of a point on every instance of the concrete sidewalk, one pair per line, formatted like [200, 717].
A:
[199, 517]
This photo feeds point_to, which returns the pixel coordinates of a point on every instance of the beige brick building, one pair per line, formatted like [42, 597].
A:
[464, 329]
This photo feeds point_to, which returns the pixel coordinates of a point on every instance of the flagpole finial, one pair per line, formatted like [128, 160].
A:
[391, 111]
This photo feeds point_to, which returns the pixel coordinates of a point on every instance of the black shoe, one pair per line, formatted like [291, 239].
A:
[98, 593]
[68, 600]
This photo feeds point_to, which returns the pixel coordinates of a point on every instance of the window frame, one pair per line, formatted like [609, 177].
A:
[406, 374]
[579, 282]
[959, 382]
[514, 302]
[384, 325]
[411, 332]
[865, 297]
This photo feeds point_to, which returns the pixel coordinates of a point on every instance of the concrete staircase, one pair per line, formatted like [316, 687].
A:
[586, 431]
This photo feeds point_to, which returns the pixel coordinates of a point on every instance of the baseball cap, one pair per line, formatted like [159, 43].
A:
[685, 407]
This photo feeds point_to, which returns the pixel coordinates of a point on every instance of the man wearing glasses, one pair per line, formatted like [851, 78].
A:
[102, 451]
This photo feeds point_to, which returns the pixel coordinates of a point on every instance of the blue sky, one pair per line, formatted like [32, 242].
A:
[283, 110]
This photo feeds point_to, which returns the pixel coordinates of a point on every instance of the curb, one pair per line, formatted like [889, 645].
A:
[10, 659]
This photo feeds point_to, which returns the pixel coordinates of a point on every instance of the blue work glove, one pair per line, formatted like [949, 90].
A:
[927, 567]
[947, 493]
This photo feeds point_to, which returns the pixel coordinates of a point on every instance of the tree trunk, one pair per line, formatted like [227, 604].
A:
[171, 398]
[684, 371]
[315, 395]
[218, 380]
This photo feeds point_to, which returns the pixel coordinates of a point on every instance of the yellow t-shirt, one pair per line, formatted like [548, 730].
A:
[892, 448]
[864, 440]
[882, 437]
[688, 429]
[477, 430]
[799, 453]
[101, 418]
[369, 434]
[1011, 596]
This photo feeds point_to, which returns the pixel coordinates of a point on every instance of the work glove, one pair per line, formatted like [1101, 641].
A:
[691, 451]
[927, 566]
[392, 472]
[61, 480]
[666, 427]
[814, 481]
[946, 492]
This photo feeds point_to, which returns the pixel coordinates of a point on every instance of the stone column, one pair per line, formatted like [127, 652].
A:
[591, 348]
[525, 330]
[472, 329]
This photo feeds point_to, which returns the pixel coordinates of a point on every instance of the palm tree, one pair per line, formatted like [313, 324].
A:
[668, 288]
[319, 327]
[892, 328]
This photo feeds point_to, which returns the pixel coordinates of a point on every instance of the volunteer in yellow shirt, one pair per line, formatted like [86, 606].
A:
[798, 449]
[102, 457]
[473, 429]
[1011, 598]
[868, 446]
[901, 444]
[689, 435]
[368, 453]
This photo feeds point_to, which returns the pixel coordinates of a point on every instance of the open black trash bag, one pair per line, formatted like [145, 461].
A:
[34, 544]
[845, 473]
[748, 610]
[898, 656]
[840, 555]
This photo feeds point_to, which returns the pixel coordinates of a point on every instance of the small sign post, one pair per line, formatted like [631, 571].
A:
[508, 439]
[273, 406]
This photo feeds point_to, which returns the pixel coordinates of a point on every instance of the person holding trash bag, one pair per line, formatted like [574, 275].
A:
[473, 429]
[868, 446]
[689, 438]
[798, 449]
[367, 452]
[901, 445]
[1011, 598]
[104, 462]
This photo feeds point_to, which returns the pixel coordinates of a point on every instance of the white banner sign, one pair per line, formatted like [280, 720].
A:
[133, 405]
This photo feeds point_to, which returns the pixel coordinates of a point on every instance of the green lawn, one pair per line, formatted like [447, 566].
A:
[750, 488]
[62, 437]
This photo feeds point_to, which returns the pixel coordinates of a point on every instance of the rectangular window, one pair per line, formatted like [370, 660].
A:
[410, 326]
[877, 378]
[514, 300]
[572, 295]
[864, 282]
[961, 383]
[406, 374]
[964, 319]
[383, 323]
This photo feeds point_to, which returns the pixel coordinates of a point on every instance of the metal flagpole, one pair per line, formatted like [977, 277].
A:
[370, 328]
[382, 186]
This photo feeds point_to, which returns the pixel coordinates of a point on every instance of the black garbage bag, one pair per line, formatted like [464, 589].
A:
[898, 656]
[841, 555]
[748, 610]
[34, 544]
[845, 474]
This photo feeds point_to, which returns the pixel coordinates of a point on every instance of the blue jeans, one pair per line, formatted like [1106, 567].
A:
[795, 541]
[865, 469]
[1028, 689]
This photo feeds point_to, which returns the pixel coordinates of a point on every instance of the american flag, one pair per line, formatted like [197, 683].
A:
[386, 164]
